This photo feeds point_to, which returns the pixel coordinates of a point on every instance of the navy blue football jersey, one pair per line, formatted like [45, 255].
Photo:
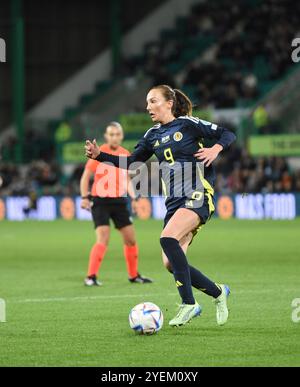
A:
[174, 144]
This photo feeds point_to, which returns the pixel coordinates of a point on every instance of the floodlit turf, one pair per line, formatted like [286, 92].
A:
[52, 319]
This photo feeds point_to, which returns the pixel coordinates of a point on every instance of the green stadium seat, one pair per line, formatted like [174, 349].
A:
[169, 34]
[228, 63]
[69, 113]
[245, 103]
[265, 87]
[261, 68]
[191, 91]
[85, 99]
[174, 67]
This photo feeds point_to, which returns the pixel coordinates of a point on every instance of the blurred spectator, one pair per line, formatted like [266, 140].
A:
[251, 41]
[296, 185]
[237, 172]
[252, 175]
[251, 49]
[260, 118]
[38, 176]
[37, 145]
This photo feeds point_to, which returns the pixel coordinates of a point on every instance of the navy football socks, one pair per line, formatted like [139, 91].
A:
[201, 282]
[181, 271]
[198, 279]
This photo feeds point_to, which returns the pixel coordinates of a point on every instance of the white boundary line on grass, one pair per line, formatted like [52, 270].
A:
[85, 298]
[112, 296]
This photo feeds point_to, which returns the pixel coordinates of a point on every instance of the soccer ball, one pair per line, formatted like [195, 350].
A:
[146, 318]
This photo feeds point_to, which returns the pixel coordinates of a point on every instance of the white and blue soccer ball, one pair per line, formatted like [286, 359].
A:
[146, 318]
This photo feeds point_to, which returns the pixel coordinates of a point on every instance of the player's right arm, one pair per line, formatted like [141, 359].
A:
[142, 152]
[205, 129]
[84, 189]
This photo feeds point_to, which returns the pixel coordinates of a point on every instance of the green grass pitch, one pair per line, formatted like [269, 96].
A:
[53, 320]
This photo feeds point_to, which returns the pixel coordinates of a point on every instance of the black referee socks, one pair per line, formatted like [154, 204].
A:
[180, 267]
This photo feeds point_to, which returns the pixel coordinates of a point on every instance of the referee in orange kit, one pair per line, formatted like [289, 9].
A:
[108, 201]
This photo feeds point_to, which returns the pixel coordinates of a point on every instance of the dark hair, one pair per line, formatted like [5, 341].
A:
[182, 105]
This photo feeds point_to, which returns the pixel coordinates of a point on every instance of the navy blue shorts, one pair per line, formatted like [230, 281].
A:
[204, 212]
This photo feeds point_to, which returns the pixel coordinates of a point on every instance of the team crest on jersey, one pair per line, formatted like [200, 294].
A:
[177, 136]
[156, 144]
[165, 139]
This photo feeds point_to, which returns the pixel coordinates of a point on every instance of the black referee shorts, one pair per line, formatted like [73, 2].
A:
[104, 209]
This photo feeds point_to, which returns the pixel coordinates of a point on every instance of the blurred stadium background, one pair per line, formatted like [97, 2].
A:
[73, 66]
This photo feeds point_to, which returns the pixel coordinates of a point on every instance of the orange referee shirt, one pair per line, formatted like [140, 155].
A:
[109, 181]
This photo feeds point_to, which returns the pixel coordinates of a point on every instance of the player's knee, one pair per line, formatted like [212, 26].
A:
[169, 233]
[102, 241]
[103, 238]
[130, 242]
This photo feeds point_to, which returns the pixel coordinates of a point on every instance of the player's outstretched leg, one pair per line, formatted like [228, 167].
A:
[221, 305]
[189, 308]
[204, 284]
[219, 292]
[185, 314]
[180, 224]
[199, 281]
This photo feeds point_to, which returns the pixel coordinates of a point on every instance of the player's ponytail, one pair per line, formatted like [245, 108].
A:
[182, 105]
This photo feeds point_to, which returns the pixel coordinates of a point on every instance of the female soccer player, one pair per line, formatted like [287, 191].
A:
[177, 138]
[107, 202]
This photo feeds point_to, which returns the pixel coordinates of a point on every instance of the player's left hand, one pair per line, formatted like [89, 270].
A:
[92, 149]
[85, 204]
[208, 155]
[134, 204]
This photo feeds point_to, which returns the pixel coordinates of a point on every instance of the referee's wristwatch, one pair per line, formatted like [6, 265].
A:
[89, 196]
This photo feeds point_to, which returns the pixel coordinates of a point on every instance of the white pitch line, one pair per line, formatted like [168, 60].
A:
[145, 296]
[85, 298]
